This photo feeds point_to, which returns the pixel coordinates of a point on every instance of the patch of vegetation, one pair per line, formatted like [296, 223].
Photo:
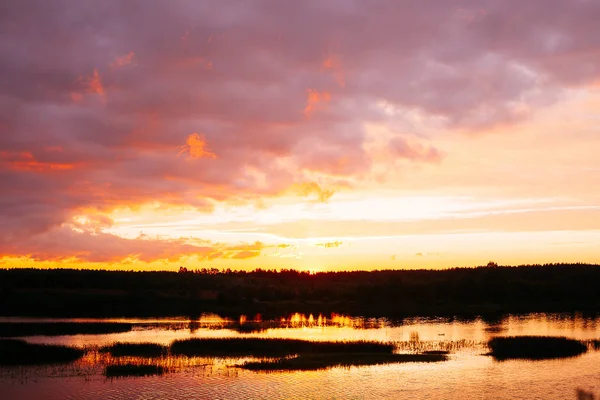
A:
[20, 352]
[535, 347]
[16, 329]
[438, 352]
[359, 346]
[311, 362]
[134, 350]
[124, 370]
[261, 347]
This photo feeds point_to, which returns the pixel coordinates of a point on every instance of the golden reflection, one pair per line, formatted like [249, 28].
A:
[341, 327]
[94, 363]
[344, 320]
[298, 320]
[464, 340]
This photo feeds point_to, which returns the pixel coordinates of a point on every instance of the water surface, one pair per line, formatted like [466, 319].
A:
[468, 373]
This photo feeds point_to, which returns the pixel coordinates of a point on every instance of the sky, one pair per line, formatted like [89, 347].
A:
[313, 135]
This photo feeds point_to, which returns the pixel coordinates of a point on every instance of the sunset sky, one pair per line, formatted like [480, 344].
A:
[314, 135]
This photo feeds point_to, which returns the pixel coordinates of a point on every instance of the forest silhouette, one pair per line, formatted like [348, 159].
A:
[482, 290]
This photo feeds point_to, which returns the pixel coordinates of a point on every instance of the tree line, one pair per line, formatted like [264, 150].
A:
[491, 288]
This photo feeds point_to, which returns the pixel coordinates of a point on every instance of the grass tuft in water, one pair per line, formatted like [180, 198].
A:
[311, 362]
[124, 370]
[359, 346]
[260, 347]
[20, 352]
[134, 350]
[535, 347]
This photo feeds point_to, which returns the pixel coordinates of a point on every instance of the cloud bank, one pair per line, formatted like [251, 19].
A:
[110, 104]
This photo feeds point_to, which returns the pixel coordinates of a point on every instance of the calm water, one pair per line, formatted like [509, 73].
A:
[467, 374]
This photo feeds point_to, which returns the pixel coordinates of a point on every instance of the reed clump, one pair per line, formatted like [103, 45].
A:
[20, 352]
[149, 350]
[535, 347]
[262, 347]
[312, 362]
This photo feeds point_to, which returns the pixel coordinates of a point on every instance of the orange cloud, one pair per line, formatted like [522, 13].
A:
[123, 60]
[214, 256]
[313, 188]
[256, 246]
[194, 62]
[25, 161]
[330, 244]
[333, 64]
[315, 97]
[242, 255]
[92, 85]
[195, 147]
[84, 240]
[95, 84]
[76, 97]
[238, 252]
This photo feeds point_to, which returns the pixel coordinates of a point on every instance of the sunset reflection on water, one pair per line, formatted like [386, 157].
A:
[338, 327]
[468, 371]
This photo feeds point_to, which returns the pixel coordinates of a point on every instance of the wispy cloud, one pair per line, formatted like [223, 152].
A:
[330, 245]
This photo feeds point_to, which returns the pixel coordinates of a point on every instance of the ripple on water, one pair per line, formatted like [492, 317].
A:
[468, 374]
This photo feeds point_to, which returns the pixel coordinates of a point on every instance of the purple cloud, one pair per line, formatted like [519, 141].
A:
[98, 98]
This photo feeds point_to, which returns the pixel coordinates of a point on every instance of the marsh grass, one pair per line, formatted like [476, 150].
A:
[360, 346]
[311, 362]
[125, 370]
[535, 347]
[19, 329]
[260, 347]
[446, 346]
[594, 344]
[436, 352]
[120, 349]
[308, 355]
[19, 352]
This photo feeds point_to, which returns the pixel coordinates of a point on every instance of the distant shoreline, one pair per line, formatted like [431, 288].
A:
[465, 292]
